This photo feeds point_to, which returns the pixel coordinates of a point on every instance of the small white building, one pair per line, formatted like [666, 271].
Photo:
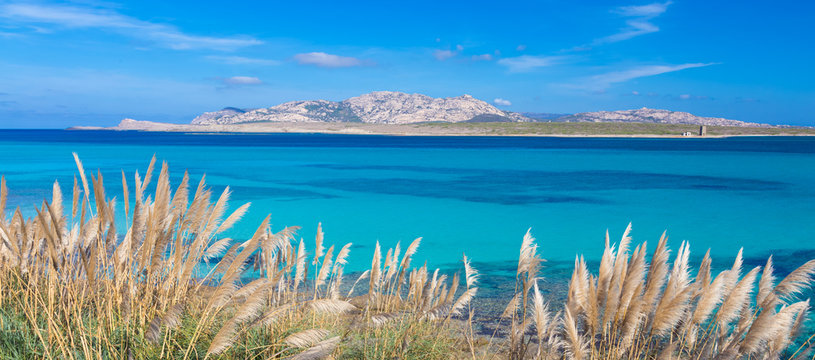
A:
[687, 133]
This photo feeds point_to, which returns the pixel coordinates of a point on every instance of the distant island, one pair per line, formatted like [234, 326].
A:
[397, 113]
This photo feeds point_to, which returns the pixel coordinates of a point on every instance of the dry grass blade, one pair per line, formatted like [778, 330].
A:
[512, 306]
[170, 320]
[306, 338]
[331, 306]
[796, 281]
[632, 282]
[463, 301]
[528, 260]
[223, 339]
[272, 315]
[768, 326]
[384, 318]
[657, 273]
[251, 308]
[739, 297]
[321, 350]
[56, 205]
[323, 274]
[75, 200]
[575, 345]
[342, 256]
[318, 244]
[405, 264]
[373, 286]
[226, 260]
[674, 302]
[668, 352]
[216, 249]
[361, 277]
[540, 312]
[767, 282]
[471, 274]
[605, 273]
[580, 297]
[301, 264]
[618, 275]
[710, 298]
[227, 288]
[82, 175]
[411, 250]
[4, 197]
[233, 218]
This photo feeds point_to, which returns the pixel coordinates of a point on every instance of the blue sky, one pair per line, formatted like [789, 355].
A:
[95, 62]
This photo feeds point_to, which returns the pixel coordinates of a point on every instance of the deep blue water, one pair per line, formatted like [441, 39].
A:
[477, 195]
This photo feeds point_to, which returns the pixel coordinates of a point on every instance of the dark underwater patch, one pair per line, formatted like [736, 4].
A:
[519, 187]
[249, 193]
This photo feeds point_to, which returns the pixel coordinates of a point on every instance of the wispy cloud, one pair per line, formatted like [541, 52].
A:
[639, 22]
[90, 18]
[240, 60]
[603, 81]
[241, 80]
[482, 57]
[6, 34]
[526, 63]
[502, 102]
[442, 55]
[650, 10]
[327, 60]
[693, 97]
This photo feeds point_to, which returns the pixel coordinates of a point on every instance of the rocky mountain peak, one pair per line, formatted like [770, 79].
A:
[383, 107]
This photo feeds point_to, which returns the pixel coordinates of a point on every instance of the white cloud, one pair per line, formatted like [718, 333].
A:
[442, 55]
[240, 60]
[242, 80]
[326, 60]
[635, 93]
[502, 102]
[5, 34]
[485, 57]
[526, 63]
[649, 10]
[603, 81]
[88, 18]
[693, 97]
[640, 24]
[635, 28]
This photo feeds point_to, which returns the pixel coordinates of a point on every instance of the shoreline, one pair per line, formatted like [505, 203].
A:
[561, 130]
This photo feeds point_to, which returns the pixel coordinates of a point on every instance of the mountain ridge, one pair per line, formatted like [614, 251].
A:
[657, 116]
[391, 107]
[379, 107]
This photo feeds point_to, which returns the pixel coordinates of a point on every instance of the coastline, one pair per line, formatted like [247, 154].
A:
[542, 129]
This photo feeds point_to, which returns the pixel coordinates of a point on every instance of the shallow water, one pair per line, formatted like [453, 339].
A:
[473, 195]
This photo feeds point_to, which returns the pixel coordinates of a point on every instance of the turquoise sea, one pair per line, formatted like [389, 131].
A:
[473, 195]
